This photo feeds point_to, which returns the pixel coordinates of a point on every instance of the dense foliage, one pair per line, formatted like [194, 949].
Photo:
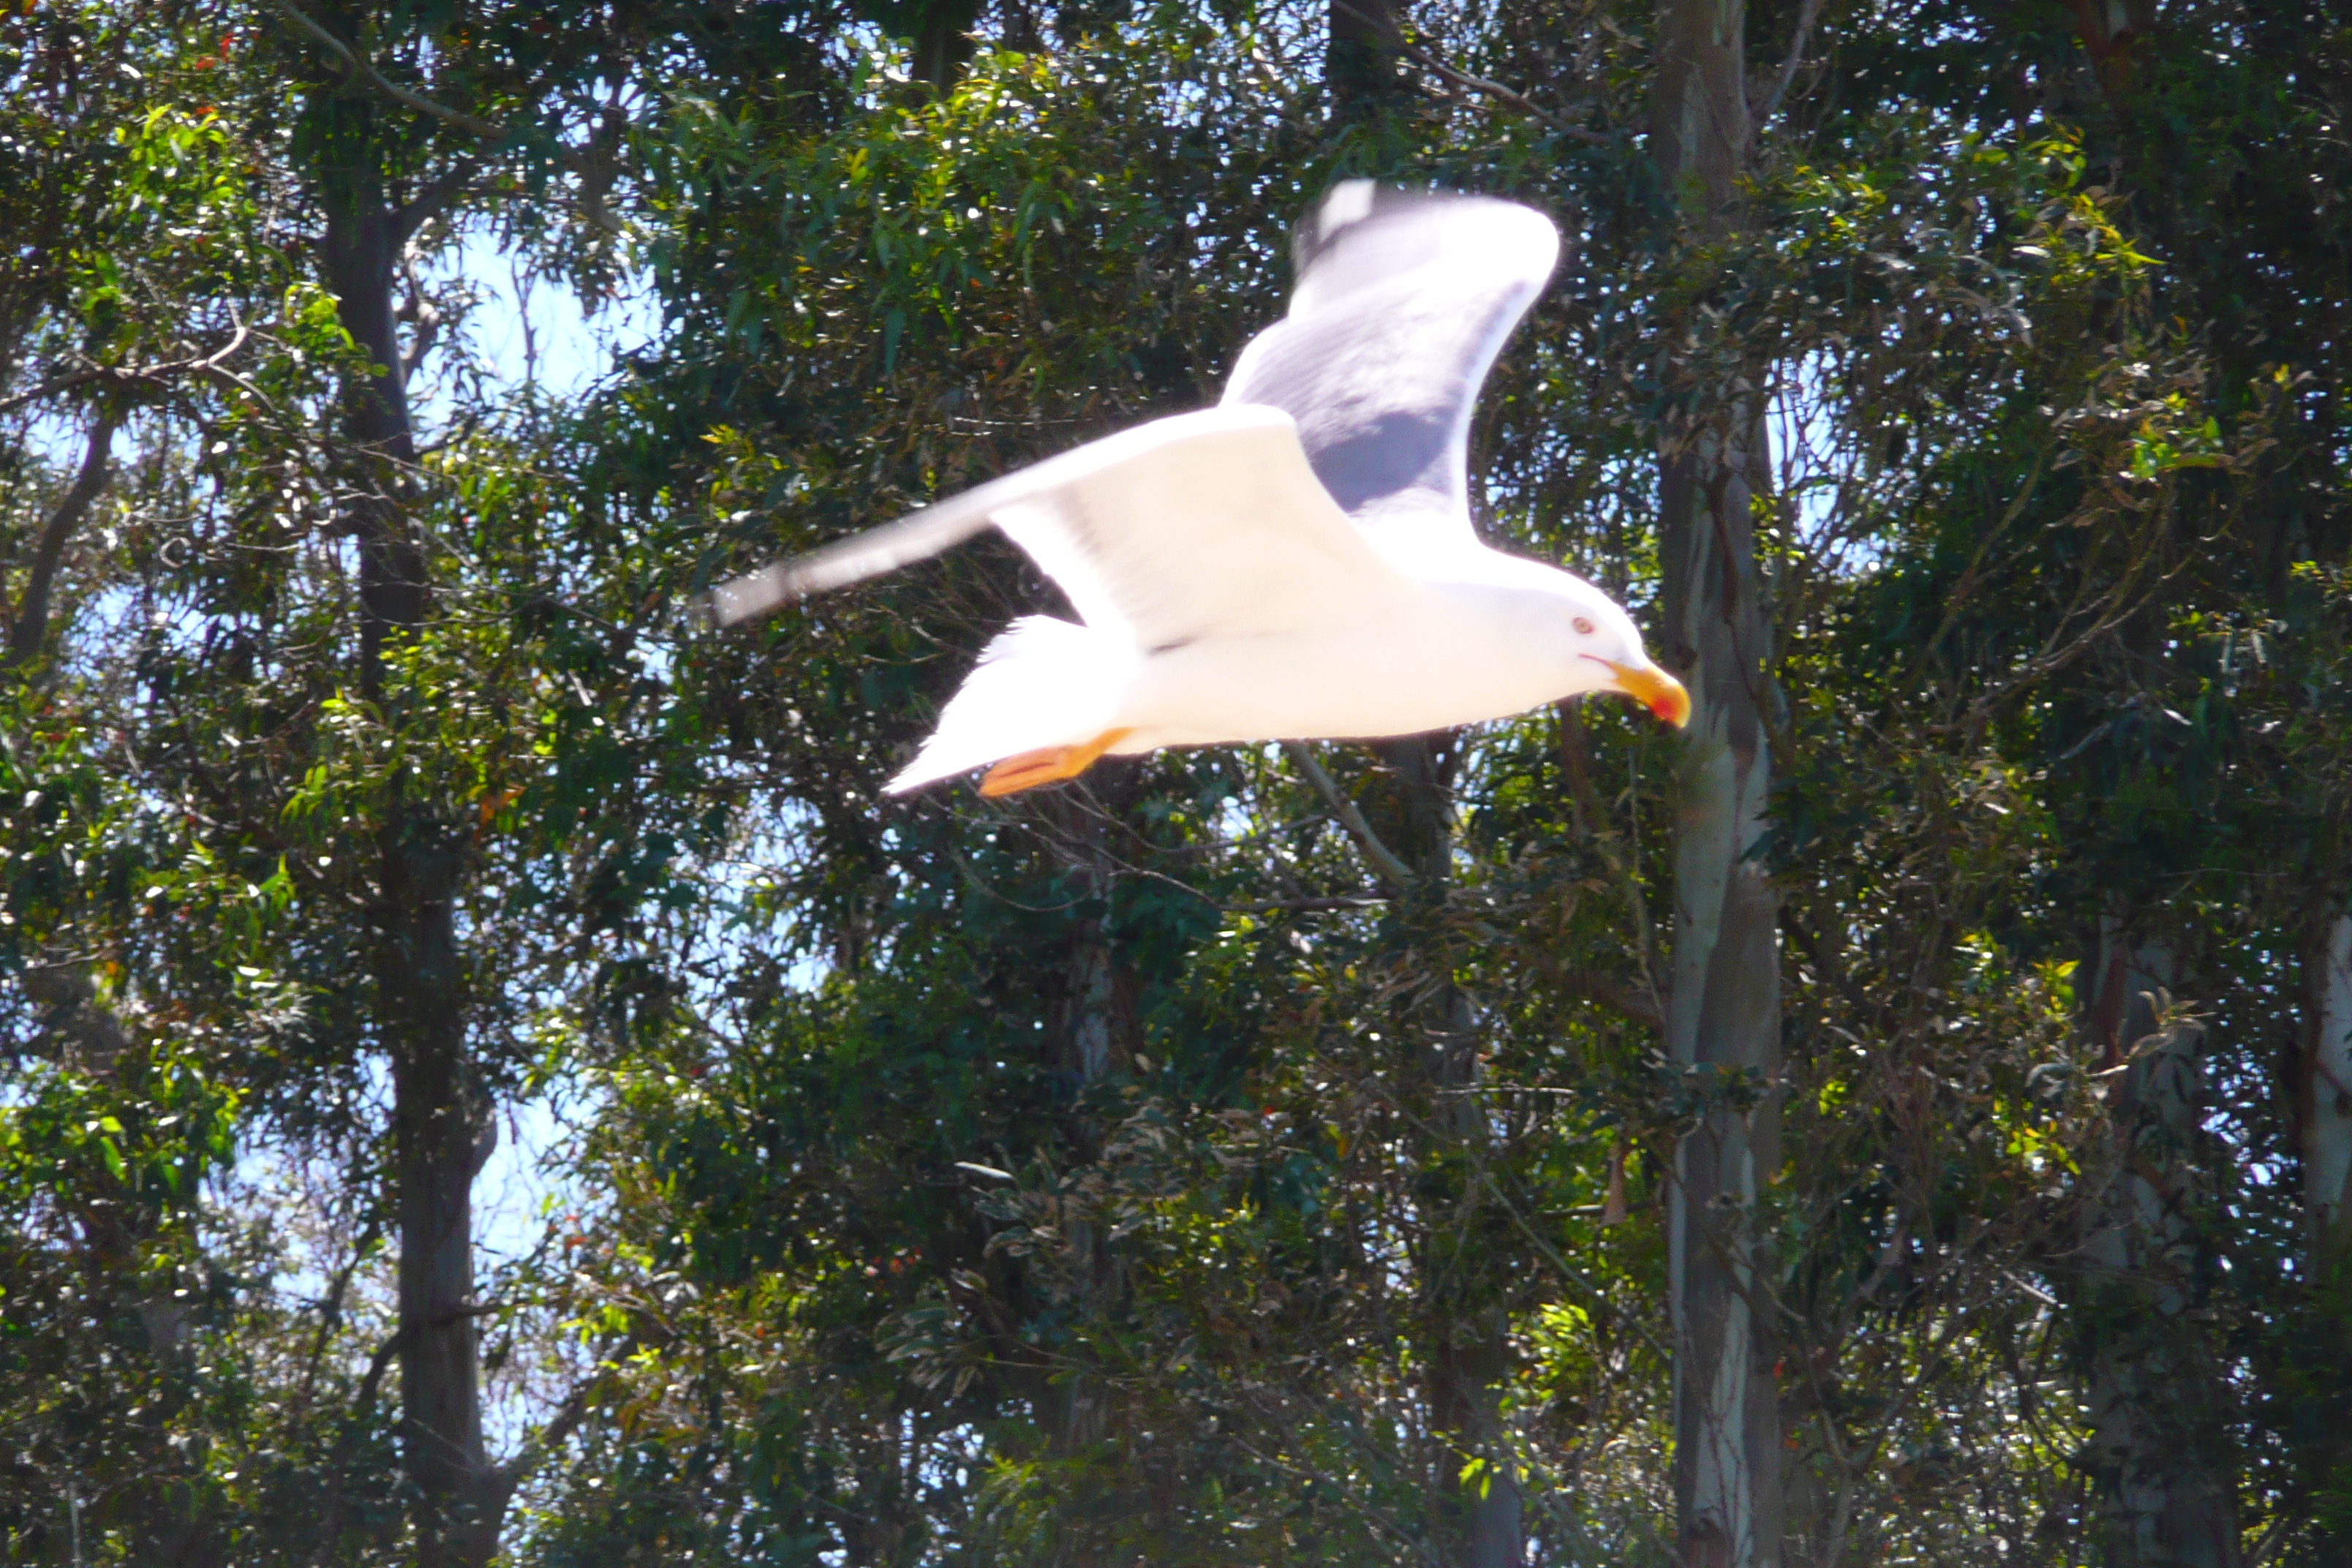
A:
[1241, 1155]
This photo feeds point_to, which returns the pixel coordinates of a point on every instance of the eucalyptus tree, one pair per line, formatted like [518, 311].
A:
[404, 128]
[1723, 1015]
[1244, 1155]
[332, 692]
[2041, 652]
[126, 1368]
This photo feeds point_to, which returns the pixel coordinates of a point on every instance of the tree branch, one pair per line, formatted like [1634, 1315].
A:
[1594, 987]
[1429, 62]
[31, 625]
[420, 313]
[66, 383]
[331, 1305]
[471, 124]
[544, 1442]
[1807, 15]
[145, 376]
[330, 1508]
[364, 1400]
[1383, 859]
[427, 203]
[1503, 95]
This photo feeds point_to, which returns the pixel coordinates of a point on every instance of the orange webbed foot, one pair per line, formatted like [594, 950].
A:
[1048, 764]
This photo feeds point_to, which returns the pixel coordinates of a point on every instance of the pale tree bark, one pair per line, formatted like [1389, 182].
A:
[1723, 1014]
[2322, 1103]
[2325, 1103]
[2158, 1449]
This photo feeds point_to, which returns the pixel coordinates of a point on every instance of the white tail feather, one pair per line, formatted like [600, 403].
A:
[1043, 682]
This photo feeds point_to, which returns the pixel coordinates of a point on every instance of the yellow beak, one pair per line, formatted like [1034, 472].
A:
[1656, 690]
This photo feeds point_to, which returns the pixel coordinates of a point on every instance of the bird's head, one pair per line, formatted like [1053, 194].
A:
[1603, 651]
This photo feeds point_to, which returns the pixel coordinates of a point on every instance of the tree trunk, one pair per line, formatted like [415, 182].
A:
[1360, 61]
[2325, 1103]
[1092, 1036]
[439, 1121]
[2158, 1447]
[1723, 1019]
[1724, 1013]
[1468, 1345]
[943, 43]
[1094, 1029]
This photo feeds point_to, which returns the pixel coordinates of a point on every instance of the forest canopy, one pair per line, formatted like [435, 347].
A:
[1905, 1118]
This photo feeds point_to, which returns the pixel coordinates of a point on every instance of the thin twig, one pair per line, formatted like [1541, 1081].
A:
[1575, 762]
[1592, 987]
[1574, 1275]
[1429, 60]
[1957, 602]
[2279, 1534]
[1806, 16]
[1504, 95]
[330, 1508]
[2110, 611]
[544, 1442]
[427, 203]
[364, 1400]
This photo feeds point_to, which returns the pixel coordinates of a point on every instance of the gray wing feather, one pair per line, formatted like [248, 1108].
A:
[1403, 300]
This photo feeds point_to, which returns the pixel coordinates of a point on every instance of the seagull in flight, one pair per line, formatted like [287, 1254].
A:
[1295, 563]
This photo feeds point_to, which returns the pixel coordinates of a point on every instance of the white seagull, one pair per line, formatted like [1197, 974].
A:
[1295, 563]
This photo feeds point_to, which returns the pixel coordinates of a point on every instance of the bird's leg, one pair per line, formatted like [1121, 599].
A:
[1049, 764]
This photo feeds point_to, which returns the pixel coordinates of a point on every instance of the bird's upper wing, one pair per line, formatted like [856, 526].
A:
[1403, 300]
[1206, 524]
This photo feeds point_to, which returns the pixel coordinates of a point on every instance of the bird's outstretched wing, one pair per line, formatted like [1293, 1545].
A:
[915, 537]
[1205, 524]
[1403, 300]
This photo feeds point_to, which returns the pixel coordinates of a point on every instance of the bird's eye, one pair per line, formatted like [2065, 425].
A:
[1583, 627]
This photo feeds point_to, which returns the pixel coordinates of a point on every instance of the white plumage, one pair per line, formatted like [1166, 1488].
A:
[1298, 563]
